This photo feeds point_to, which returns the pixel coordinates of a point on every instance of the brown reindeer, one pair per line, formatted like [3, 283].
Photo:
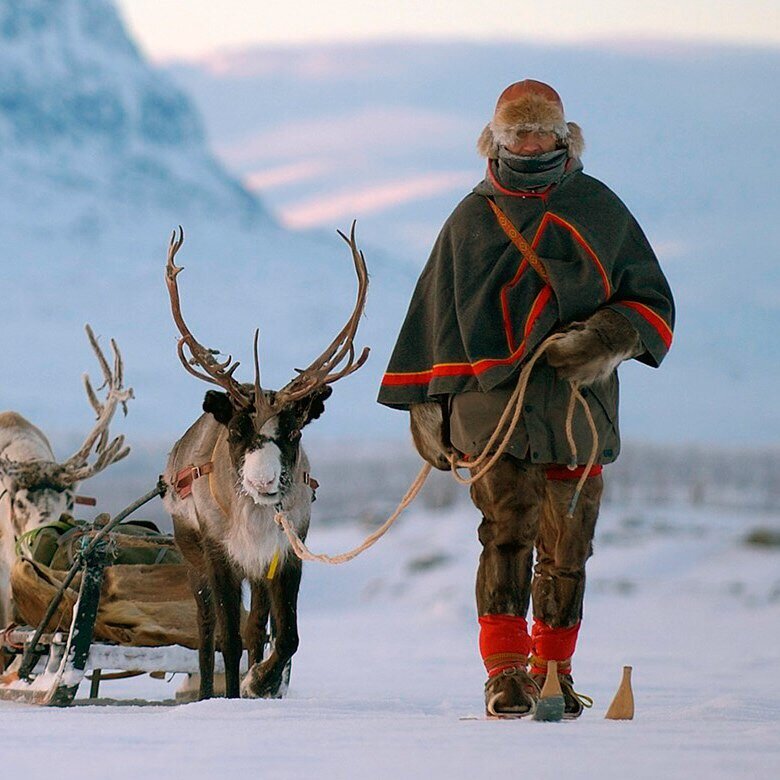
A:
[247, 448]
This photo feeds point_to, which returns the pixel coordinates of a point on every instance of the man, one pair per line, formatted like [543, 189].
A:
[538, 247]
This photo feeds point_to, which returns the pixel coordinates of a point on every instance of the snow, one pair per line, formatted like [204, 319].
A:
[388, 668]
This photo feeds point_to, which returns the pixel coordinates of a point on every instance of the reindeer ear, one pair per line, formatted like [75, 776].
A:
[312, 407]
[218, 404]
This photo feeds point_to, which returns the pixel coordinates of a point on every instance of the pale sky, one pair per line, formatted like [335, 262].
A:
[168, 29]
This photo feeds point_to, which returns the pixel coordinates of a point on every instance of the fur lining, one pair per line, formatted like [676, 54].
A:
[590, 351]
[575, 143]
[426, 424]
[531, 112]
[486, 145]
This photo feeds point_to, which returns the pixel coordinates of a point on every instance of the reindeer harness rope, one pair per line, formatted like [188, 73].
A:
[478, 470]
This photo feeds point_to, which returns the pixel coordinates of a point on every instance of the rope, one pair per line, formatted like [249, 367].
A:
[513, 408]
[303, 552]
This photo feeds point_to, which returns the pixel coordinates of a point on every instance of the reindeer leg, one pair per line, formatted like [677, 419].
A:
[265, 679]
[256, 633]
[227, 600]
[204, 600]
[190, 543]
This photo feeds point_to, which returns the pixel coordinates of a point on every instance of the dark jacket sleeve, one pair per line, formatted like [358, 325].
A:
[642, 295]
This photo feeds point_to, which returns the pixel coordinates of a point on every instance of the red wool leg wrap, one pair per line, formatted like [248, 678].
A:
[503, 642]
[553, 644]
[562, 473]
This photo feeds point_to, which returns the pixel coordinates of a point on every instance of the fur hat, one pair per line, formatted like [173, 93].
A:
[527, 106]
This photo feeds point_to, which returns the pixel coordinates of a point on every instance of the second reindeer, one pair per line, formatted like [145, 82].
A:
[238, 465]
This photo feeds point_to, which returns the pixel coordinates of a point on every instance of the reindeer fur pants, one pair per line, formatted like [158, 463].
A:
[523, 510]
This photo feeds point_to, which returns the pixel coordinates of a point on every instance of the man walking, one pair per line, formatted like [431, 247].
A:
[537, 247]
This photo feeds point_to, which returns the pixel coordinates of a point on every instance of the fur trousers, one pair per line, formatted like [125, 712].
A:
[522, 511]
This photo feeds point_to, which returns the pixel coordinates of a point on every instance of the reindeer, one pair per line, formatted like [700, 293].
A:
[247, 446]
[34, 487]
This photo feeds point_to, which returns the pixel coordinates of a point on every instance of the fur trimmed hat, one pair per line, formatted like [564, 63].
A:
[527, 106]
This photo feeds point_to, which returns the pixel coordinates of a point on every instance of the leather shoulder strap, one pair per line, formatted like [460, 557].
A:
[516, 237]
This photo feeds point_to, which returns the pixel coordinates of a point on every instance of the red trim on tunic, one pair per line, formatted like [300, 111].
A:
[549, 216]
[485, 364]
[413, 378]
[479, 366]
[505, 303]
[657, 322]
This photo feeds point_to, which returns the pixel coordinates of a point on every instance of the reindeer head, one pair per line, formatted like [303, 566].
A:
[264, 453]
[264, 426]
[40, 491]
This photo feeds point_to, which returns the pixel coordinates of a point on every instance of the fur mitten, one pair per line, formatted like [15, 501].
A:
[590, 351]
[427, 431]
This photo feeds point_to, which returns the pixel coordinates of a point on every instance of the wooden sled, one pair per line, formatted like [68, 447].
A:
[143, 615]
[138, 618]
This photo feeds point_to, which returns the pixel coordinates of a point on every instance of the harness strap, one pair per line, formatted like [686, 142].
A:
[517, 238]
[185, 478]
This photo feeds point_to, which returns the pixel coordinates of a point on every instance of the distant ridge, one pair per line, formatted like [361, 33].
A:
[101, 156]
[681, 131]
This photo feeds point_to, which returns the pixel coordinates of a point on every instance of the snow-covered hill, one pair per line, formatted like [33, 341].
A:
[101, 155]
[88, 130]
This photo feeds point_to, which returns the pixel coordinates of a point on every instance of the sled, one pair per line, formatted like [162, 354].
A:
[101, 615]
[61, 659]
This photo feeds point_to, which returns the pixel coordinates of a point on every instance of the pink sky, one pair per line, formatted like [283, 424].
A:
[168, 29]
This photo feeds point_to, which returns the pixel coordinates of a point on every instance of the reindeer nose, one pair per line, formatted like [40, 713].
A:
[264, 485]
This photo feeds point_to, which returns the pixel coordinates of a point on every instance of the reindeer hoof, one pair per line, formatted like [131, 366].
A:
[264, 684]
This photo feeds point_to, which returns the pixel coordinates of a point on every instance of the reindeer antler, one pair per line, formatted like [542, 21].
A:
[325, 370]
[214, 371]
[77, 467]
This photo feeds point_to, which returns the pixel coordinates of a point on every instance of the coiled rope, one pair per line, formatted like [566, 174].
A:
[511, 414]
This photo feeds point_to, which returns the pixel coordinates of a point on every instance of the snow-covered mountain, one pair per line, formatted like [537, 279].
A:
[101, 155]
[88, 130]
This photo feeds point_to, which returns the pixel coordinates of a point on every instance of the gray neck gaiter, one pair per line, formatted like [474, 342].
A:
[530, 173]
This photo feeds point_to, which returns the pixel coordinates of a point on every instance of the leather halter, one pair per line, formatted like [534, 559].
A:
[185, 478]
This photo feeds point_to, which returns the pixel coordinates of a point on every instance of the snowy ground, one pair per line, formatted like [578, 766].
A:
[388, 667]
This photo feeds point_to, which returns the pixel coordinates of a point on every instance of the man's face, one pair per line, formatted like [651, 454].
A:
[533, 143]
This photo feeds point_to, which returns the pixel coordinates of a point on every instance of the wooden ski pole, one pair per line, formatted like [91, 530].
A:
[550, 706]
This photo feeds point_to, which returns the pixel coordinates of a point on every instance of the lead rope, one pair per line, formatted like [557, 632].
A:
[512, 409]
